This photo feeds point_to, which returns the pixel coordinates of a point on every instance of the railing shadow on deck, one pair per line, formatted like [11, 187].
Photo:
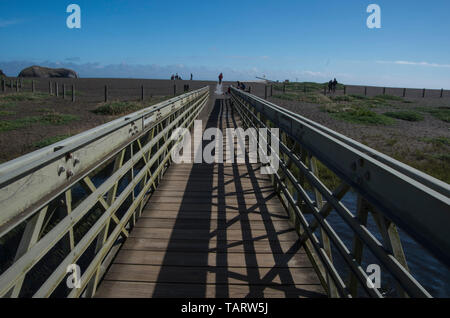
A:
[222, 271]
[201, 229]
[281, 259]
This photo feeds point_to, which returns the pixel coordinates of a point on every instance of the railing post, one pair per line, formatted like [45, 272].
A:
[332, 290]
[73, 93]
[365, 91]
[345, 90]
[17, 85]
[11, 84]
[91, 287]
[284, 88]
[250, 89]
[142, 93]
[391, 242]
[64, 91]
[174, 89]
[423, 93]
[442, 92]
[56, 89]
[404, 92]
[271, 90]
[106, 93]
[384, 90]
[33, 87]
[50, 90]
[265, 91]
[21, 82]
[358, 246]
[29, 238]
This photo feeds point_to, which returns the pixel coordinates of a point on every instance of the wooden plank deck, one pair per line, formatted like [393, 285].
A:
[214, 230]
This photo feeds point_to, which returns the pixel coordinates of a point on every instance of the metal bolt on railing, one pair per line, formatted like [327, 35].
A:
[61, 169]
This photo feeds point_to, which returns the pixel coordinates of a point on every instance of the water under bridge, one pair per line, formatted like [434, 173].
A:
[107, 213]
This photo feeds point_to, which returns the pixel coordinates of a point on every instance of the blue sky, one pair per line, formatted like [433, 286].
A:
[303, 39]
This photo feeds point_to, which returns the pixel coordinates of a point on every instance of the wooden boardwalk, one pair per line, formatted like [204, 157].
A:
[214, 230]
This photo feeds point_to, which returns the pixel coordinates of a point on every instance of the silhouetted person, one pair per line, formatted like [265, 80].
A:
[330, 86]
[172, 78]
[334, 85]
[240, 85]
[220, 78]
[191, 77]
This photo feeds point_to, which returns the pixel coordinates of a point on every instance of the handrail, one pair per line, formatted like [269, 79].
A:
[407, 170]
[11, 170]
[391, 196]
[53, 157]
[61, 218]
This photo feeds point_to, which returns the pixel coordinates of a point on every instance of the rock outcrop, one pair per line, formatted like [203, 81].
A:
[46, 72]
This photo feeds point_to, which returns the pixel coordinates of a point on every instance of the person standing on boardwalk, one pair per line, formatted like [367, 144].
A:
[220, 78]
[334, 85]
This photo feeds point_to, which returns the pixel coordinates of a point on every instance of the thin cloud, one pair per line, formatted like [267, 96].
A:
[414, 63]
[73, 59]
[4, 23]
[125, 70]
[315, 74]
[96, 69]
[244, 57]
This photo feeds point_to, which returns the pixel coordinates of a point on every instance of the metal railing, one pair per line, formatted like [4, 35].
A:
[392, 193]
[74, 202]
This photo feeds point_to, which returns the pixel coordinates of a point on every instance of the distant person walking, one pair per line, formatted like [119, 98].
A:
[334, 85]
[220, 78]
[192, 76]
[330, 86]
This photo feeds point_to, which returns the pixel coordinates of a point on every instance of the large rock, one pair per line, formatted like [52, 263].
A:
[46, 72]
[2, 74]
